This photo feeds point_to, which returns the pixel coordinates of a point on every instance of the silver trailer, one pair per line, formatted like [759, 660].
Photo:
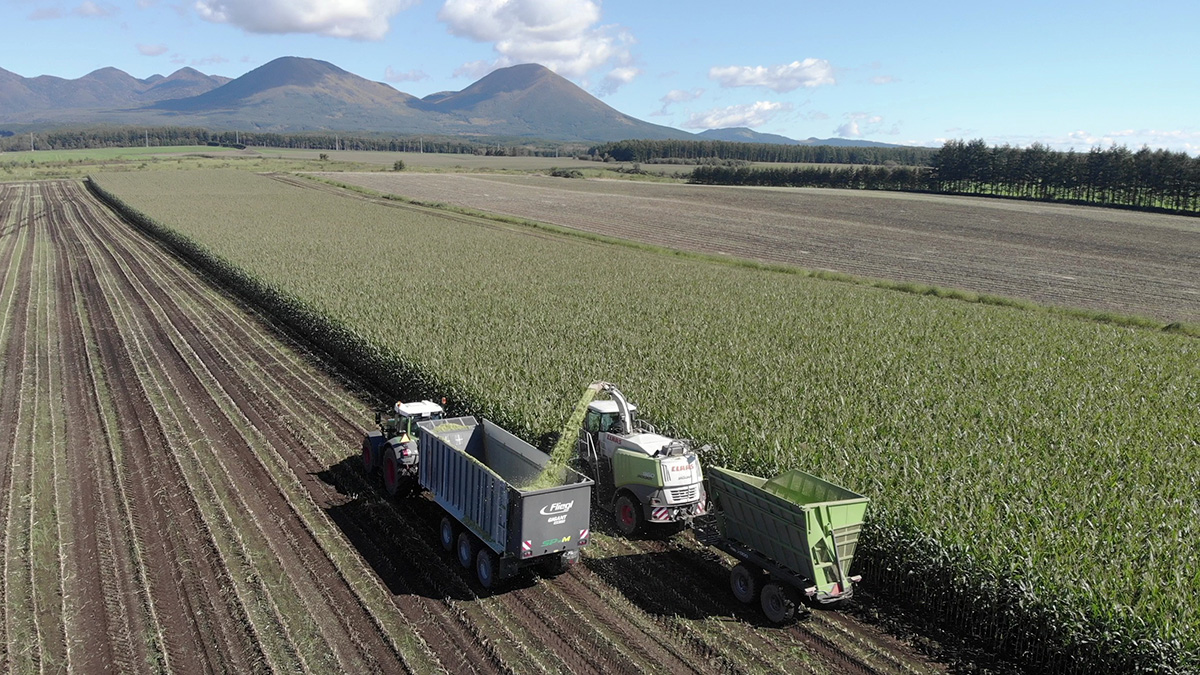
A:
[481, 476]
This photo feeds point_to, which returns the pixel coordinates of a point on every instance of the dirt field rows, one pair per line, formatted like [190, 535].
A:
[1067, 256]
[180, 491]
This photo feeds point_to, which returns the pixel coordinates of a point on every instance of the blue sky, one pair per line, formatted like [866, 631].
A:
[1067, 74]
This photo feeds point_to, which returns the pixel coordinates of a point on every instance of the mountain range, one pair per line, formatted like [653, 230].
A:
[293, 94]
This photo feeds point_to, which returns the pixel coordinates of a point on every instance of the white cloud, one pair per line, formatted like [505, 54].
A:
[807, 73]
[152, 50]
[92, 9]
[563, 35]
[617, 77]
[752, 115]
[858, 124]
[677, 96]
[354, 19]
[413, 75]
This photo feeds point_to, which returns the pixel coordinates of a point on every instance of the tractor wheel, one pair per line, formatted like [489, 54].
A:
[368, 457]
[485, 567]
[628, 514]
[446, 534]
[746, 582]
[391, 474]
[778, 602]
[466, 549]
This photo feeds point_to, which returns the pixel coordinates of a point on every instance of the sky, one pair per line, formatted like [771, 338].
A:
[1067, 74]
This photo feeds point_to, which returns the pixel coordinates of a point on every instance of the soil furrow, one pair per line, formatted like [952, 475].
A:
[104, 599]
[187, 576]
[307, 557]
[12, 398]
[44, 534]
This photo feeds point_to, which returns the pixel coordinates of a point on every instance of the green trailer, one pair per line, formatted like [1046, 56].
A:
[794, 535]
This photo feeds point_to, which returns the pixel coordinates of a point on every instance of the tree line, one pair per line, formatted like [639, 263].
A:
[132, 136]
[1148, 179]
[654, 151]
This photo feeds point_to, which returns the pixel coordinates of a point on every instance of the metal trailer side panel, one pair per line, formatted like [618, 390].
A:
[461, 484]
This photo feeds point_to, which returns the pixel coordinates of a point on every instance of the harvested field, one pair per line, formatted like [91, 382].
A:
[1078, 257]
[180, 492]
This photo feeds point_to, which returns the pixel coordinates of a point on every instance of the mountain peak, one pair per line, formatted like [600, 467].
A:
[293, 93]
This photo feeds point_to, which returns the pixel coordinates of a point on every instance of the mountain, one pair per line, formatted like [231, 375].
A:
[744, 135]
[47, 97]
[532, 100]
[292, 94]
[297, 94]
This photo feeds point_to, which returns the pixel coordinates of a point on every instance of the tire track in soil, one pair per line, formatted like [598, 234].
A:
[12, 393]
[104, 583]
[454, 649]
[251, 405]
[300, 554]
[698, 567]
[186, 574]
[45, 552]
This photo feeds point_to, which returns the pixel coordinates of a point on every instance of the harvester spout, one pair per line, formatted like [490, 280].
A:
[622, 409]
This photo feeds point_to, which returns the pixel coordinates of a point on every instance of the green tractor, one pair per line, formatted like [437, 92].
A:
[393, 447]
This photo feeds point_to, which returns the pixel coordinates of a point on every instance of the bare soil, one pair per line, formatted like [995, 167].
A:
[207, 511]
[1079, 257]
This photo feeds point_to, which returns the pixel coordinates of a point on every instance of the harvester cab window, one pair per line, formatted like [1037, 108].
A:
[591, 423]
[611, 422]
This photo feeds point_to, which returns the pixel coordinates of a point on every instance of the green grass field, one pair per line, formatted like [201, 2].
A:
[1060, 455]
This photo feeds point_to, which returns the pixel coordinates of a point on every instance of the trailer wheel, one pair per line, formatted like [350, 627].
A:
[368, 457]
[746, 582]
[446, 534]
[628, 514]
[778, 602]
[485, 567]
[391, 474]
[466, 549]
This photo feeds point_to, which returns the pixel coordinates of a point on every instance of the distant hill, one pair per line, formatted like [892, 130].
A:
[292, 94]
[744, 135]
[47, 98]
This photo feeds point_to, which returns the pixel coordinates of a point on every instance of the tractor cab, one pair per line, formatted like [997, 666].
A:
[604, 416]
[406, 416]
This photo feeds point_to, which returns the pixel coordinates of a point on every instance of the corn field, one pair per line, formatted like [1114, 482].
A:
[1035, 479]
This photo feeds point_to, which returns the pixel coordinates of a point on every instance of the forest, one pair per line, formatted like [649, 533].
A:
[651, 152]
[124, 137]
[1155, 180]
